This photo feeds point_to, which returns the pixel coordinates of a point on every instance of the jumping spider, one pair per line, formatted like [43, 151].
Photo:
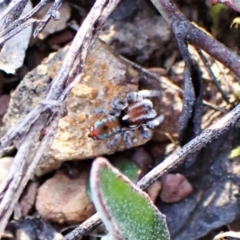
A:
[136, 111]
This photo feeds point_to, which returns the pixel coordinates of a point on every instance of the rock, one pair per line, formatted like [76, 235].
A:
[105, 77]
[175, 187]
[62, 199]
[142, 37]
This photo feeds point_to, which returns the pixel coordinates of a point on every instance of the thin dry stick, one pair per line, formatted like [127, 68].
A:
[13, 11]
[18, 29]
[153, 75]
[20, 24]
[24, 125]
[52, 13]
[171, 162]
[80, 47]
[84, 229]
[211, 74]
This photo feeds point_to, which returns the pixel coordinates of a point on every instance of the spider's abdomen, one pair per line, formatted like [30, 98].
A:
[138, 113]
[105, 128]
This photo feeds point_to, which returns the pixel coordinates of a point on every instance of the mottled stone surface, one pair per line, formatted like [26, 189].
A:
[144, 35]
[105, 77]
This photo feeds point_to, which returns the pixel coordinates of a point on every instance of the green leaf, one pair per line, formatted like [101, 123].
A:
[126, 211]
[126, 167]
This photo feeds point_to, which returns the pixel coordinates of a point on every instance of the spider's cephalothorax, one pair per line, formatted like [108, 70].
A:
[136, 111]
[109, 126]
[105, 128]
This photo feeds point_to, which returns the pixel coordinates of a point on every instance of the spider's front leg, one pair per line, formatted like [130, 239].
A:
[117, 105]
[140, 95]
[145, 132]
[155, 122]
[150, 124]
[126, 135]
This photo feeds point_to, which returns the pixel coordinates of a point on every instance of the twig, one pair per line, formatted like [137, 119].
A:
[52, 13]
[19, 24]
[210, 72]
[84, 228]
[153, 75]
[24, 124]
[16, 30]
[223, 75]
[13, 12]
[13, 185]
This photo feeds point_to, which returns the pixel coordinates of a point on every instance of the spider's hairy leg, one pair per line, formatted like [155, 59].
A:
[138, 96]
[99, 111]
[128, 138]
[114, 141]
[155, 122]
[117, 105]
[145, 132]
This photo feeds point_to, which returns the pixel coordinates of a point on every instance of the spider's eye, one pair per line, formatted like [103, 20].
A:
[105, 127]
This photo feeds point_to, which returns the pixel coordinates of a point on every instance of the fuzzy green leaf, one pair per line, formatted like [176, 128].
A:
[128, 168]
[127, 212]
